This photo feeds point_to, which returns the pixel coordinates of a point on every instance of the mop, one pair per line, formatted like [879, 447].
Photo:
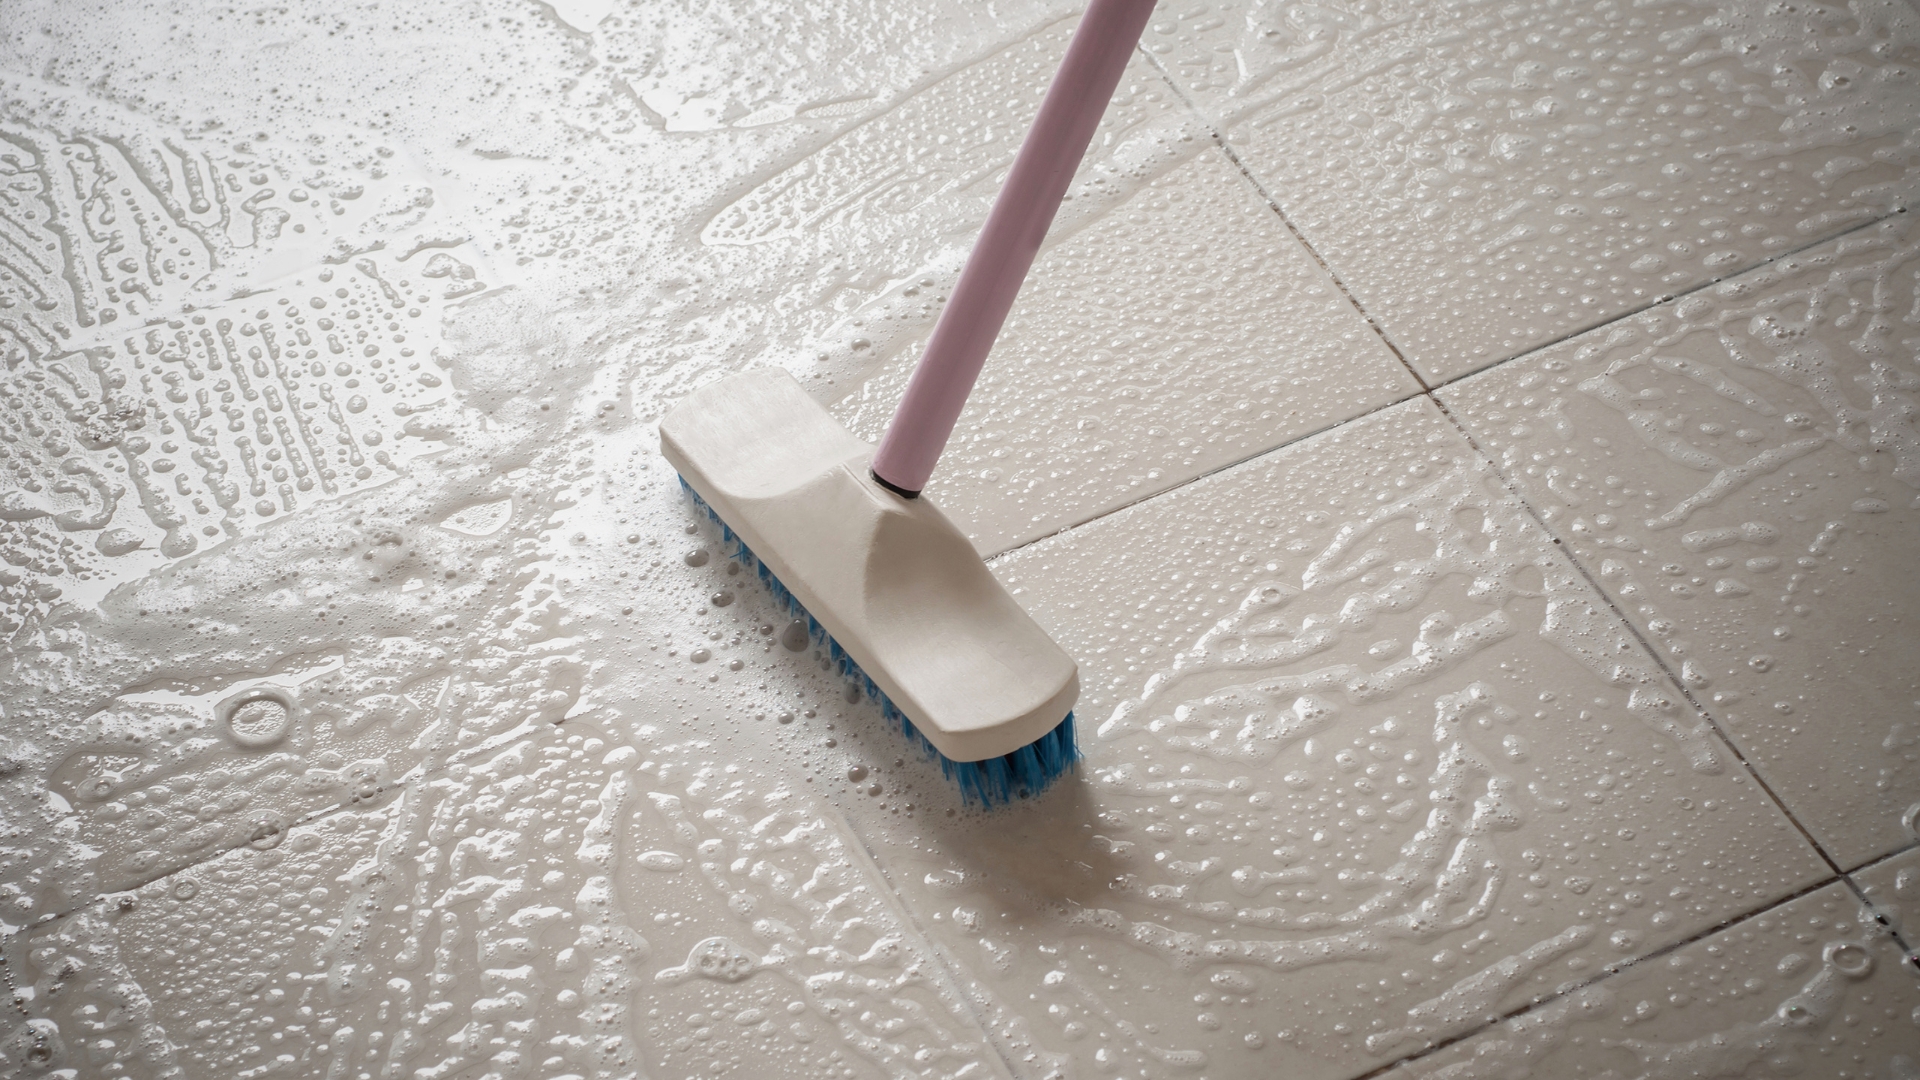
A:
[838, 529]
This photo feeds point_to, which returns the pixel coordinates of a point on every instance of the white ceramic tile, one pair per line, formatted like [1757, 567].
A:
[1739, 470]
[1365, 759]
[183, 362]
[675, 190]
[561, 906]
[1487, 179]
[1811, 988]
[784, 211]
[1182, 332]
[831, 257]
[702, 187]
[392, 627]
[1892, 886]
[1172, 325]
[202, 337]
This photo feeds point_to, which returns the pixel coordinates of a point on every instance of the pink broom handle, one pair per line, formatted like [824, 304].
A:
[1007, 245]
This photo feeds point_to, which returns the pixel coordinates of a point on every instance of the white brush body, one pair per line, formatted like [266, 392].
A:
[895, 583]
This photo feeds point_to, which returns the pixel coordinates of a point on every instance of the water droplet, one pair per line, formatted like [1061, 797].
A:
[117, 542]
[662, 861]
[267, 834]
[1849, 959]
[258, 718]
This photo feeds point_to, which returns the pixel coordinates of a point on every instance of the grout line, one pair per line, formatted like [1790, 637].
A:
[1574, 988]
[1911, 949]
[1220, 468]
[1220, 140]
[1646, 646]
[956, 974]
[1670, 298]
[426, 769]
[1886, 924]
[1432, 391]
[1427, 389]
[100, 894]
[1903, 849]
[1339, 283]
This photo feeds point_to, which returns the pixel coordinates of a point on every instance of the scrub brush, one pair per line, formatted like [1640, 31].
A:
[837, 528]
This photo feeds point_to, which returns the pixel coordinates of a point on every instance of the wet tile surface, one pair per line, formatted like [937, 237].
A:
[1366, 759]
[1183, 331]
[562, 905]
[371, 702]
[1490, 179]
[1811, 987]
[1892, 886]
[1738, 471]
[310, 662]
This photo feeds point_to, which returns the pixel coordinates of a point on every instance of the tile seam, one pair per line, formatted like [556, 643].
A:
[1214, 471]
[955, 980]
[99, 895]
[1910, 948]
[1903, 849]
[1220, 141]
[1670, 298]
[1427, 389]
[1646, 646]
[426, 770]
[1604, 975]
[1886, 924]
[1579, 564]
[1428, 392]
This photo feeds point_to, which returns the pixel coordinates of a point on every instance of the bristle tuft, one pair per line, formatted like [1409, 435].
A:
[1026, 772]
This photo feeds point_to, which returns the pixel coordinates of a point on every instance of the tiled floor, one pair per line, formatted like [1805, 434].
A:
[1470, 450]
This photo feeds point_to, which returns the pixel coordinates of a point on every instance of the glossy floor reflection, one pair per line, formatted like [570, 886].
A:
[1470, 451]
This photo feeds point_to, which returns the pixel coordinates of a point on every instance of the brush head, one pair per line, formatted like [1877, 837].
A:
[1027, 771]
[899, 591]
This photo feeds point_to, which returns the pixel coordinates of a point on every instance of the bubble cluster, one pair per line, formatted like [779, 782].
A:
[1739, 472]
[375, 706]
[1489, 180]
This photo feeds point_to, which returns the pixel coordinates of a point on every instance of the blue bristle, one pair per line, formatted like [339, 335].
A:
[1027, 771]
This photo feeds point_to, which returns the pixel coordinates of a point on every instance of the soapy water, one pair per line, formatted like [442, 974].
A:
[389, 669]
[401, 680]
[315, 717]
[1774, 989]
[167, 387]
[1474, 536]
[1491, 179]
[534, 910]
[237, 762]
[1391, 794]
[1773, 416]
